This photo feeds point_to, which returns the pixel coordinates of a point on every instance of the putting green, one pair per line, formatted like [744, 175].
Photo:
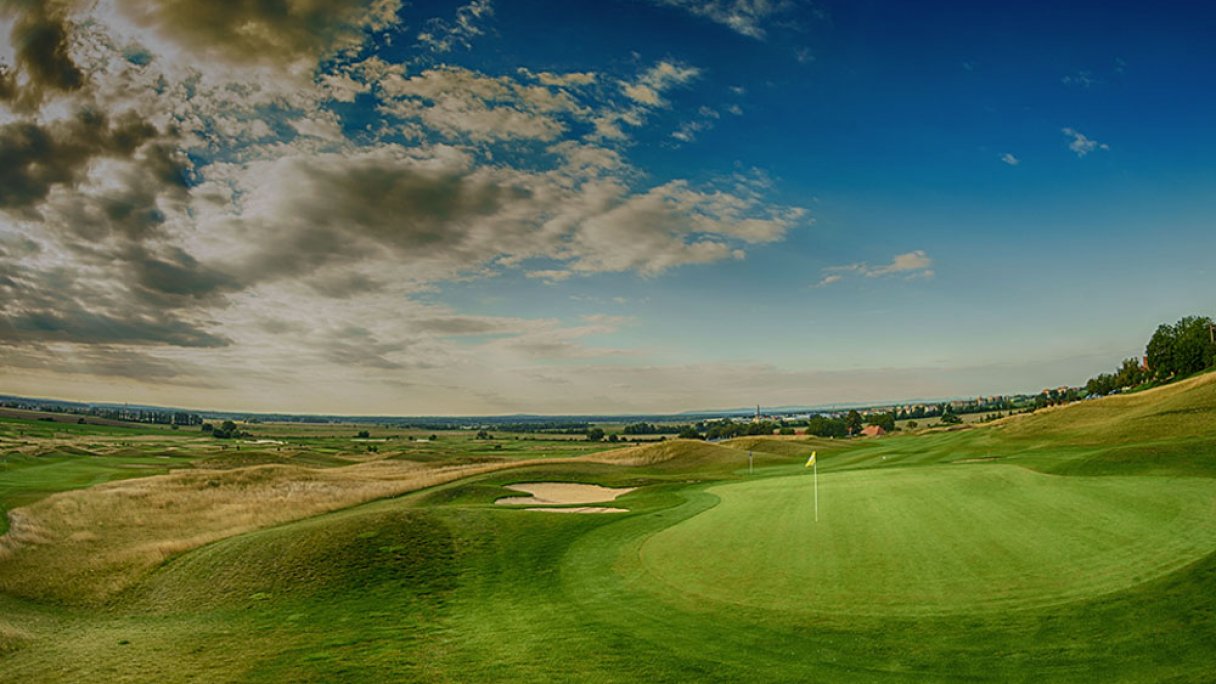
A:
[937, 540]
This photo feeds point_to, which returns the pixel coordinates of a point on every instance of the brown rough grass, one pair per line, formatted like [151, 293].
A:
[664, 452]
[12, 638]
[85, 546]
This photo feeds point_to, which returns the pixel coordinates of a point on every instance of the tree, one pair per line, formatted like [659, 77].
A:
[1101, 384]
[226, 430]
[1193, 349]
[689, 432]
[595, 434]
[1181, 349]
[363, 434]
[884, 420]
[1130, 373]
[1160, 352]
[822, 426]
[950, 419]
[852, 422]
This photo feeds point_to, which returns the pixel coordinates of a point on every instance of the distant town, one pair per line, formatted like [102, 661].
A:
[790, 420]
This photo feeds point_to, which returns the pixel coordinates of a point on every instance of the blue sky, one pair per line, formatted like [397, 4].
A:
[663, 205]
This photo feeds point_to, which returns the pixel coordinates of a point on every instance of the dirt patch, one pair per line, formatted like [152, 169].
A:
[562, 493]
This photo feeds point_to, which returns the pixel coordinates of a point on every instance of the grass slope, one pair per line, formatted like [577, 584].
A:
[1063, 546]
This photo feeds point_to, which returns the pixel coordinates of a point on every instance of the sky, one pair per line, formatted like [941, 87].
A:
[627, 206]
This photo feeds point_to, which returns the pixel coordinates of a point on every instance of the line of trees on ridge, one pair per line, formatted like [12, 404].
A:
[1174, 351]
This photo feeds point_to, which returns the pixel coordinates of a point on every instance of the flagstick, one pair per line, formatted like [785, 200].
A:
[749, 463]
[816, 468]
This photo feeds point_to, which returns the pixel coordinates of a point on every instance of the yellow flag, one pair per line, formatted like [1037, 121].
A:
[811, 461]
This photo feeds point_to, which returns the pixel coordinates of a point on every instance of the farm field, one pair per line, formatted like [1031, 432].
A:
[1073, 544]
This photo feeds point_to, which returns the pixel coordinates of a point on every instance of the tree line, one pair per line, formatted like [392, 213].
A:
[1174, 351]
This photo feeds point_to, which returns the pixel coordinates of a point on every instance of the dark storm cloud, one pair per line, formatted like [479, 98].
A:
[358, 346]
[177, 275]
[55, 305]
[279, 32]
[40, 42]
[74, 324]
[103, 360]
[36, 157]
[344, 285]
[335, 210]
[8, 84]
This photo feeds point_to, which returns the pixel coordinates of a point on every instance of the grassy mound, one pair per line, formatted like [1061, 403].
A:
[682, 455]
[103, 539]
[402, 551]
[241, 459]
[961, 539]
[793, 448]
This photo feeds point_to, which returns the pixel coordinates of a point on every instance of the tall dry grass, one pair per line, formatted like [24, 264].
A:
[85, 546]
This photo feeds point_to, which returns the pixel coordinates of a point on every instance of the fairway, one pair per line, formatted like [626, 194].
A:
[990, 553]
[939, 540]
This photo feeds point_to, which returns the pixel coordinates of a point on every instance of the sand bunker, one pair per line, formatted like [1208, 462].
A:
[580, 509]
[563, 493]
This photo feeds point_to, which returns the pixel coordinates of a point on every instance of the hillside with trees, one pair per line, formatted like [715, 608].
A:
[1174, 351]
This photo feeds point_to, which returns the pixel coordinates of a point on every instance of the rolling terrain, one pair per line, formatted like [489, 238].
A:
[1074, 544]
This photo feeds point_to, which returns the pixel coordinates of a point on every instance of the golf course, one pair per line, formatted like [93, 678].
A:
[1076, 543]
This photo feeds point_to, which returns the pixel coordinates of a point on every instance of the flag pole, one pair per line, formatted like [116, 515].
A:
[816, 464]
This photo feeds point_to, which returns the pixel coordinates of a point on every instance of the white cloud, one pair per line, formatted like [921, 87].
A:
[902, 263]
[459, 102]
[915, 265]
[648, 89]
[216, 215]
[441, 36]
[571, 79]
[1009, 159]
[1081, 79]
[746, 17]
[550, 275]
[689, 130]
[1081, 144]
[643, 95]
[433, 213]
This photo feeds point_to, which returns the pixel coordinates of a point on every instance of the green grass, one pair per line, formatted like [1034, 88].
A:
[1071, 545]
[947, 539]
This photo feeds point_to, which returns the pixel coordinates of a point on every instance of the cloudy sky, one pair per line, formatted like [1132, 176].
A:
[630, 205]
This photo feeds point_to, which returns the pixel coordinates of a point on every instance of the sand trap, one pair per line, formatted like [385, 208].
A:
[580, 509]
[562, 493]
